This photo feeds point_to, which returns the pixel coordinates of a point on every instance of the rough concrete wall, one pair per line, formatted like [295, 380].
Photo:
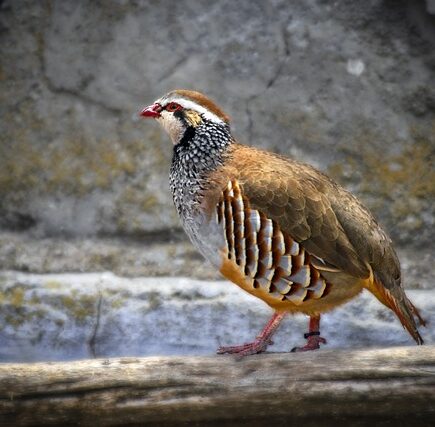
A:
[346, 85]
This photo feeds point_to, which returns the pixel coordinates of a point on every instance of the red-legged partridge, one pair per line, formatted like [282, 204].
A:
[278, 228]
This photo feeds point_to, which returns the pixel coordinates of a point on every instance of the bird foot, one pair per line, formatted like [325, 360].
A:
[257, 346]
[313, 343]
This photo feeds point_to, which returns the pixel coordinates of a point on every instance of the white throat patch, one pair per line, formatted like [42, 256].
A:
[172, 126]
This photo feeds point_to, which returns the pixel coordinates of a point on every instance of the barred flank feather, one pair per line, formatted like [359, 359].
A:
[274, 262]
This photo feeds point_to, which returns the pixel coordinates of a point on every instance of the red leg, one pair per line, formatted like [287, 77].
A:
[313, 336]
[261, 342]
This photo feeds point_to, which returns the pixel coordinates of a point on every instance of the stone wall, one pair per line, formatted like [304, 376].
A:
[346, 85]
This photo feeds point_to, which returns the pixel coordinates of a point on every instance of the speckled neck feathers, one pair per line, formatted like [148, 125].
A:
[200, 151]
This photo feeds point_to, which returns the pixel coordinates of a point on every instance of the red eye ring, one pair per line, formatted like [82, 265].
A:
[172, 107]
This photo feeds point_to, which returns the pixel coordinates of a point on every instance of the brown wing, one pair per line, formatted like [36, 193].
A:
[297, 197]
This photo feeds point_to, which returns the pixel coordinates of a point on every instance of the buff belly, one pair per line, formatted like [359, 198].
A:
[342, 288]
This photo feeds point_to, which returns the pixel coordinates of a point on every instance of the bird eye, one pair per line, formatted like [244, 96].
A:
[173, 106]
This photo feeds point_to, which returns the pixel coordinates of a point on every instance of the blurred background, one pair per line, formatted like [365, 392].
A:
[93, 261]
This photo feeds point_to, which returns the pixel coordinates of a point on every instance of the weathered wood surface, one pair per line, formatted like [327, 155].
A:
[394, 386]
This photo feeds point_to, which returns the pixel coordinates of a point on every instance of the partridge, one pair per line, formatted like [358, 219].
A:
[278, 228]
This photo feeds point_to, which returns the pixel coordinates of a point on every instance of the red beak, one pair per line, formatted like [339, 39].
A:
[151, 111]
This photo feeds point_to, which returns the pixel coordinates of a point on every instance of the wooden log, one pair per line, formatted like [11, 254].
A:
[395, 386]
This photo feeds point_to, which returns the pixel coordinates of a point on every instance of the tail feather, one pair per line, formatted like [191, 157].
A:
[417, 314]
[402, 307]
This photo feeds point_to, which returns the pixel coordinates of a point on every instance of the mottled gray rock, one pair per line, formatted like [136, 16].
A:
[168, 255]
[346, 85]
[70, 316]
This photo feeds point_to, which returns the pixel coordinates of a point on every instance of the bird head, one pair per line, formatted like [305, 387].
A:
[181, 111]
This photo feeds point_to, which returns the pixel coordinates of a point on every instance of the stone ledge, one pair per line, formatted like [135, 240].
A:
[60, 317]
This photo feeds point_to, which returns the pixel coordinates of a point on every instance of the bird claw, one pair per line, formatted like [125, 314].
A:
[255, 347]
[313, 343]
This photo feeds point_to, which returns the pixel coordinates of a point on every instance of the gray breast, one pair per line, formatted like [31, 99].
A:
[207, 236]
[193, 161]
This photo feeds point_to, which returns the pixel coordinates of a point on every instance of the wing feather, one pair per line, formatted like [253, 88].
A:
[302, 208]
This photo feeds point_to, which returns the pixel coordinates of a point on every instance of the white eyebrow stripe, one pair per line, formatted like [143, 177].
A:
[191, 105]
